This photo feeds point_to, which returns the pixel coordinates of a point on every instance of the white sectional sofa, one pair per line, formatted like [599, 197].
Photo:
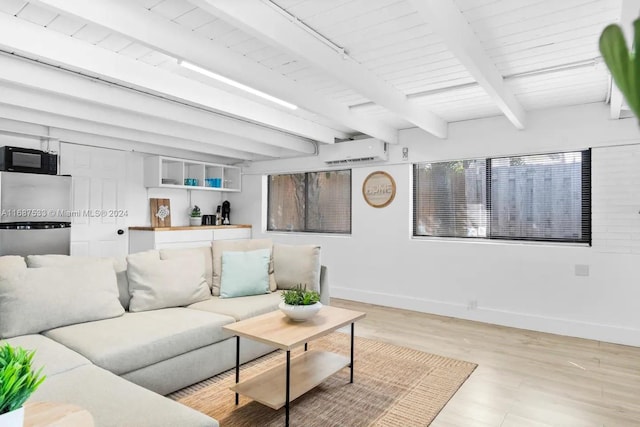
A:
[141, 330]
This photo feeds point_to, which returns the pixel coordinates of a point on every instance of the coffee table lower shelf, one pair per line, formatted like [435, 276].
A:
[307, 371]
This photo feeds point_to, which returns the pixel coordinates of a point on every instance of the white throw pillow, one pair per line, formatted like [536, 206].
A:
[297, 264]
[37, 299]
[119, 266]
[240, 245]
[204, 252]
[155, 284]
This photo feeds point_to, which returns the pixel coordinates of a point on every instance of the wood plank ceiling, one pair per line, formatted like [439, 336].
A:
[351, 66]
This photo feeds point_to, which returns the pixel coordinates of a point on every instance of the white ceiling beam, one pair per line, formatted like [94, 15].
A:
[83, 138]
[74, 109]
[48, 84]
[91, 139]
[60, 122]
[449, 23]
[628, 13]
[134, 22]
[55, 80]
[37, 42]
[263, 21]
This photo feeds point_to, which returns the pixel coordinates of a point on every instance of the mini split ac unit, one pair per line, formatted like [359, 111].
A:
[359, 151]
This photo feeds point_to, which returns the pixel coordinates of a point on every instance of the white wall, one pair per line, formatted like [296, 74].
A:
[532, 286]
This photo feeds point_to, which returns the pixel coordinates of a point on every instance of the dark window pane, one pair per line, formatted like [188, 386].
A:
[286, 202]
[537, 197]
[449, 199]
[329, 201]
[314, 201]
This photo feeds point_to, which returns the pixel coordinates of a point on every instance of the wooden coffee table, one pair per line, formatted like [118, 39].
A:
[41, 414]
[278, 386]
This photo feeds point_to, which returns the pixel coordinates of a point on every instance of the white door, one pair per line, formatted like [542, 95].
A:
[98, 211]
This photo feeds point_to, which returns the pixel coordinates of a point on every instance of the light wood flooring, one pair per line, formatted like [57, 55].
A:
[524, 378]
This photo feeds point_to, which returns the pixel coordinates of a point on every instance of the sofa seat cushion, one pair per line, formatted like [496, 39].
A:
[52, 356]
[137, 340]
[241, 308]
[116, 402]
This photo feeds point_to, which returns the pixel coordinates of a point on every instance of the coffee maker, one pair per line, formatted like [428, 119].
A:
[226, 210]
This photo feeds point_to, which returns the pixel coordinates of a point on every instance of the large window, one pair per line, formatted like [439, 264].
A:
[544, 197]
[310, 202]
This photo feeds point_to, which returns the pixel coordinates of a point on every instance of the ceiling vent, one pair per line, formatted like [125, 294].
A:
[359, 151]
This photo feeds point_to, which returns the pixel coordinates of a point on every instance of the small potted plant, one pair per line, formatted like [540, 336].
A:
[196, 216]
[17, 382]
[300, 304]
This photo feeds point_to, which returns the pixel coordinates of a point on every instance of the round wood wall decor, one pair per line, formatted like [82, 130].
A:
[379, 189]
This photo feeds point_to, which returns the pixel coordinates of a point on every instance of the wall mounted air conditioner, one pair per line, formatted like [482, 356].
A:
[358, 151]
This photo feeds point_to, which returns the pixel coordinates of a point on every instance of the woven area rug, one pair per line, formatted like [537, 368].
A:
[393, 386]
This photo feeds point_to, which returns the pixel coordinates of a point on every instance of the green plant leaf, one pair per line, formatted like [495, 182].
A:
[621, 63]
[17, 378]
[300, 296]
[635, 71]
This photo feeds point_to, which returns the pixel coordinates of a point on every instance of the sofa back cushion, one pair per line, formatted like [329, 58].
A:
[220, 246]
[119, 266]
[204, 252]
[245, 273]
[297, 264]
[33, 300]
[156, 283]
[10, 263]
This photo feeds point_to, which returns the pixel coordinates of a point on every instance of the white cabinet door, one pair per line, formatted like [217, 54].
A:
[98, 201]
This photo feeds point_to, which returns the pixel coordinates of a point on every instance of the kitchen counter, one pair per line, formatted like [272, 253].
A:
[146, 238]
[191, 227]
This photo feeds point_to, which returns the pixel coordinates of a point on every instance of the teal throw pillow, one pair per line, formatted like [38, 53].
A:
[245, 273]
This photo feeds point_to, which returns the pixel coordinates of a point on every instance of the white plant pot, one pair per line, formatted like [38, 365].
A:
[195, 220]
[300, 313]
[13, 418]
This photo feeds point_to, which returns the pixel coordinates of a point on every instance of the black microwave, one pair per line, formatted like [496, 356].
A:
[27, 160]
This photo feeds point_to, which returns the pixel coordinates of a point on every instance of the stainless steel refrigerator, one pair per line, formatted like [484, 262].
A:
[35, 214]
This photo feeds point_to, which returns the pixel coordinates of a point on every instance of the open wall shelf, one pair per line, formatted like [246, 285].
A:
[168, 172]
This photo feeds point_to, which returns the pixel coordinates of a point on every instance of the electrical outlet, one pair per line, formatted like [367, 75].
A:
[472, 304]
[405, 153]
[582, 270]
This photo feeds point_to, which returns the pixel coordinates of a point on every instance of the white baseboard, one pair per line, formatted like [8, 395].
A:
[567, 327]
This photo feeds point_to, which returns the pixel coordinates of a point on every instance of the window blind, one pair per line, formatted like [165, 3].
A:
[545, 197]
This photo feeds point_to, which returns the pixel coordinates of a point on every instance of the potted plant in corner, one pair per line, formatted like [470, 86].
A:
[299, 304]
[196, 216]
[17, 382]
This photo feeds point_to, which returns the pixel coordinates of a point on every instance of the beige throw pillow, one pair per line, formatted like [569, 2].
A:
[33, 300]
[241, 245]
[297, 264]
[119, 266]
[204, 252]
[155, 284]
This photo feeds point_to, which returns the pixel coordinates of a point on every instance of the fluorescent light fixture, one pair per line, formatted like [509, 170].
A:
[235, 84]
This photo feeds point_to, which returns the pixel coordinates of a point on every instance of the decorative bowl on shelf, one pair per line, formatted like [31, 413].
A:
[300, 313]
